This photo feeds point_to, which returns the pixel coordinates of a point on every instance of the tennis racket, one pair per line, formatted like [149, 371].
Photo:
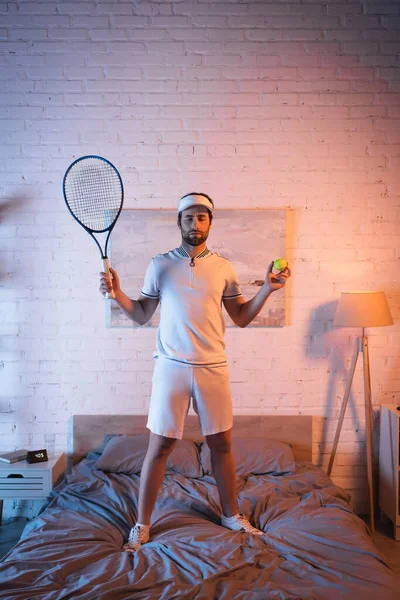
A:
[94, 195]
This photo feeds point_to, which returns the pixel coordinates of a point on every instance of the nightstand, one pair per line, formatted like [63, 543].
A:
[24, 481]
[389, 466]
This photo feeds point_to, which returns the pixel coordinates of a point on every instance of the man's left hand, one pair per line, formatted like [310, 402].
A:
[277, 281]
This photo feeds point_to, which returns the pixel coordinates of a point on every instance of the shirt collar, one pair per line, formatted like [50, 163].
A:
[181, 250]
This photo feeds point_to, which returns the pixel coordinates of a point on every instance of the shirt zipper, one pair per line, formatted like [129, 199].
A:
[192, 264]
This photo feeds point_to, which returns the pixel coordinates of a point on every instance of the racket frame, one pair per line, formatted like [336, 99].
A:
[104, 257]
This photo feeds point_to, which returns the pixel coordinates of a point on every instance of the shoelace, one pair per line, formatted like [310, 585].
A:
[245, 523]
[137, 534]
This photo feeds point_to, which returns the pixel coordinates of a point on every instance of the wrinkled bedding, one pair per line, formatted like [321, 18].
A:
[313, 547]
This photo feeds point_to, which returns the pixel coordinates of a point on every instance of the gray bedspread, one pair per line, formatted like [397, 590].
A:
[314, 546]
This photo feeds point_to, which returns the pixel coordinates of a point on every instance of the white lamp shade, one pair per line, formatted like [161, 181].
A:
[363, 309]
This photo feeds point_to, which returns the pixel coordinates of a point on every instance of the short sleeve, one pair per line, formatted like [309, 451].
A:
[150, 286]
[232, 287]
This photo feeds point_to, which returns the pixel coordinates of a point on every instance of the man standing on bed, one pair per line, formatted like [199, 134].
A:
[191, 282]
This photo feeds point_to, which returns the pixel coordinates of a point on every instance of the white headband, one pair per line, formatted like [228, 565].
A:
[193, 200]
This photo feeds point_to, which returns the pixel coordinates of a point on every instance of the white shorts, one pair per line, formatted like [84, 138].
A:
[174, 384]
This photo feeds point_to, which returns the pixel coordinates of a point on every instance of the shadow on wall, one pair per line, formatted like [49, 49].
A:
[8, 230]
[9, 206]
[333, 345]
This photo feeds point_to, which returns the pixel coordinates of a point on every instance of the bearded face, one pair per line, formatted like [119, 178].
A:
[195, 225]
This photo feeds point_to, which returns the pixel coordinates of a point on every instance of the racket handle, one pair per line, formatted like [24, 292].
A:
[106, 269]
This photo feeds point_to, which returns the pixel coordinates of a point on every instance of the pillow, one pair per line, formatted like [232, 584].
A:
[256, 456]
[126, 453]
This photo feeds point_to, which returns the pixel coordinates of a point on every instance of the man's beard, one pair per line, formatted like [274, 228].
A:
[194, 240]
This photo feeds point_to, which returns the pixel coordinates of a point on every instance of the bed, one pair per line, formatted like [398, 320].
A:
[313, 546]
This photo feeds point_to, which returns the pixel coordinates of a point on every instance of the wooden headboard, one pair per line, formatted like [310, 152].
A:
[87, 432]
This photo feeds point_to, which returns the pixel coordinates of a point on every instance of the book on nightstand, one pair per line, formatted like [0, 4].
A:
[12, 457]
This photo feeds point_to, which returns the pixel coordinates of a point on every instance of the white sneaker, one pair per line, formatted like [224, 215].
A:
[138, 535]
[239, 523]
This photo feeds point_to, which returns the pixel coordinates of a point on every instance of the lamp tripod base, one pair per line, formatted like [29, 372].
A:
[362, 346]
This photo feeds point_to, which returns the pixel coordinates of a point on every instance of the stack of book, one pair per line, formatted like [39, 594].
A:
[12, 457]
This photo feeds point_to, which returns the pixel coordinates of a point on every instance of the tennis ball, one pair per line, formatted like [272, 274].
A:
[280, 264]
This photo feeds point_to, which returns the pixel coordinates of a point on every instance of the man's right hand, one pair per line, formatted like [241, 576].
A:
[139, 311]
[108, 285]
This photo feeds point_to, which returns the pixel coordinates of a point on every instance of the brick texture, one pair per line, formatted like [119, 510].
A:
[261, 105]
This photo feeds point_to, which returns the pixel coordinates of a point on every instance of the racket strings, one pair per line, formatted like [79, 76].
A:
[94, 193]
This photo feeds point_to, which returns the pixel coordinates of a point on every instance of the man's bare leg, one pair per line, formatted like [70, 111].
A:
[223, 467]
[152, 474]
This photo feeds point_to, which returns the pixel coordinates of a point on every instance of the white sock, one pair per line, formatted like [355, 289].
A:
[143, 525]
[233, 518]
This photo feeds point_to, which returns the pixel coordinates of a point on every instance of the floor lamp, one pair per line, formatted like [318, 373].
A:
[361, 309]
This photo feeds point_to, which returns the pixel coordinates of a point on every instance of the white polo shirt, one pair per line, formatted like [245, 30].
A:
[191, 326]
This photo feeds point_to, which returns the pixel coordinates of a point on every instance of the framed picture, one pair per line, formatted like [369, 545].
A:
[251, 239]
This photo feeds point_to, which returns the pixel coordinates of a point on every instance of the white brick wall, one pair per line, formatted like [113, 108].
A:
[295, 103]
